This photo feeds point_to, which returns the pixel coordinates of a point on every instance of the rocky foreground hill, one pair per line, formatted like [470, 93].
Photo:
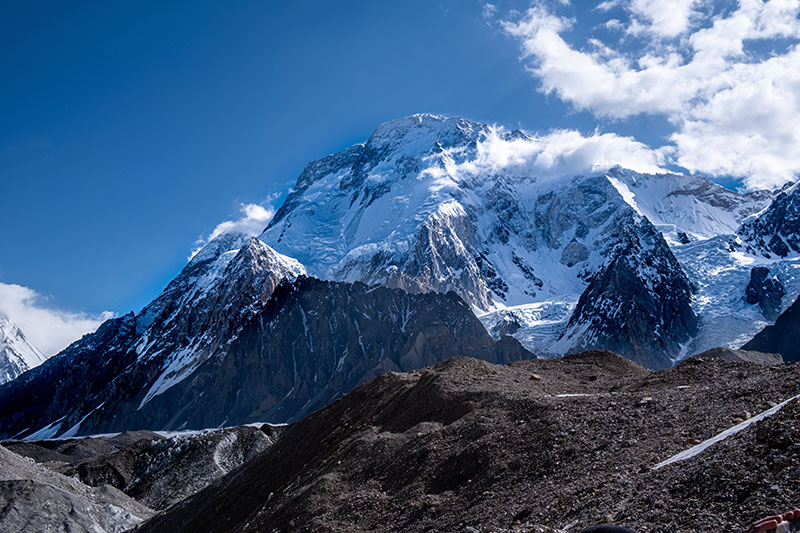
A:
[472, 446]
[538, 445]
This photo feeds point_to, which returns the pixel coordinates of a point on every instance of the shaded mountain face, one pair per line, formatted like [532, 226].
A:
[431, 203]
[309, 343]
[194, 318]
[781, 337]
[467, 444]
[17, 355]
[638, 303]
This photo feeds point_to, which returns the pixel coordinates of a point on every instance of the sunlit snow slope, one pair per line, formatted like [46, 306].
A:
[431, 203]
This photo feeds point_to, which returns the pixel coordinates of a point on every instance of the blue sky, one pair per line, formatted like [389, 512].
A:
[131, 129]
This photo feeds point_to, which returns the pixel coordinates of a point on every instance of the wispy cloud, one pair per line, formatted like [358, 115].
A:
[730, 85]
[254, 219]
[48, 328]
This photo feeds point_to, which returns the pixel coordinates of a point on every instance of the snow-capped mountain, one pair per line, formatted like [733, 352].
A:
[637, 303]
[239, 336]
[432, 203]
[17, 355]
[687, 208]
[654, 266]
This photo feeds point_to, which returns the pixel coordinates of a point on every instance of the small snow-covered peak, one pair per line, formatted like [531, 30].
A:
[420, 133]
[685, 208]
[259, 257]
[219, 245]
[17, 355]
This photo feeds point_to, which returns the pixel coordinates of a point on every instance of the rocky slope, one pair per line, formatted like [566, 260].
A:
[781, 337]
[157, 470]
[471, 446]
[742, 356]
[766, 291]
[276, 361]
[17, 355]
[34, 498]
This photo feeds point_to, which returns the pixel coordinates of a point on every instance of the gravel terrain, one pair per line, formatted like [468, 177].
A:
[36, 499]
[155, 470]
[562, 444]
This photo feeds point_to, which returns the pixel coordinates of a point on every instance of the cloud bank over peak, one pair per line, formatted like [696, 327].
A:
[47, 328]
[727, 80]
[559, 153]
[254, 219]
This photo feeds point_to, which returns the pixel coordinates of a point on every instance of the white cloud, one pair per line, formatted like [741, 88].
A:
[559, 153]
[662, 18]
[608, 5]
[48, 329]
[489, 10]
[734, 111]
[254, 220]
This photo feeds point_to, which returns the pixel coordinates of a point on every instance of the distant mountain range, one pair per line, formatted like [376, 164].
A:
[404, 251]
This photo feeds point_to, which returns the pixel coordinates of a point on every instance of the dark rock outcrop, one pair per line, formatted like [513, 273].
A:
[638, 304]
[316, 340]
[766, 291]
[781, 337]
[742, 356]
[157, 471]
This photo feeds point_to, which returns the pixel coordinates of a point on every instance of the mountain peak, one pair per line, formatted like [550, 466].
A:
[17, 355]
[422, 132]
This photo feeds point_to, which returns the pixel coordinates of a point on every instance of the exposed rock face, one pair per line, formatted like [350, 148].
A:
[742, 356]
[94, 461]
[316, 340]
[174, 468]
[309, 343]
[157, 471]
[766, 291]
[781, 337]
[17, 355]
[34, 499]
[445, 257]
[467, 444]
[208, 302]
[777, 230]
[639, 303]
